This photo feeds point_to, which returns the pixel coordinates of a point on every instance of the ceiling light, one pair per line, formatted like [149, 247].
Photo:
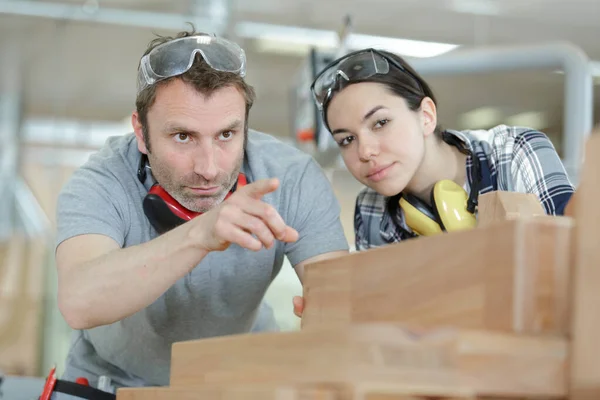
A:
[531, 119]
[476, 7]
[481, 118]
[404, 47]
[279, 47]
[287, 34]
[277, 38]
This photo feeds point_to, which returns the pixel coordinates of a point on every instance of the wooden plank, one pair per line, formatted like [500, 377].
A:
[21, 295]
[501, 205]
[356, 391]
[222, 393]
[394, 391]
[572, 205]
[543, 295]
[585, 351]
[511, 276]
[423, 361]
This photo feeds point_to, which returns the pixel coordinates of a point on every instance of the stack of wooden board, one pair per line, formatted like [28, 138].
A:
[507, 310]
[21, 304]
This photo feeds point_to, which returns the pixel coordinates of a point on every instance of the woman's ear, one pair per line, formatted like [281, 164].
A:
[428, 116]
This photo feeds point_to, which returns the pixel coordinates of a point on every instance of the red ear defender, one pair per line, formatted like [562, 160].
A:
[166, 213]
[157, 192]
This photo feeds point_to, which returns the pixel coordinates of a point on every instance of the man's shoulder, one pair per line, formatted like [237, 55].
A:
[269, 146]
[110, 167]
[116, 155]
[97, 197]
[270, 155]
[115, 149]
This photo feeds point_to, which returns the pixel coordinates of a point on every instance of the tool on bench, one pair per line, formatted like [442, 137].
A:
[80, 388]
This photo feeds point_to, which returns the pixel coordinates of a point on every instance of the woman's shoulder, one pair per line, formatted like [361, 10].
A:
[501, 139]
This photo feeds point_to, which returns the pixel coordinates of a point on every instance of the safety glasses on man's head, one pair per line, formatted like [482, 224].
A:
[355, 66]
[177, 56]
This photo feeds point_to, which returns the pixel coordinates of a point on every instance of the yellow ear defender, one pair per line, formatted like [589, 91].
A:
[448, 211]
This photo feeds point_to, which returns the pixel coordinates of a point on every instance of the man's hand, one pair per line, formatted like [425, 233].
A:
[298, 302]
[246, 220]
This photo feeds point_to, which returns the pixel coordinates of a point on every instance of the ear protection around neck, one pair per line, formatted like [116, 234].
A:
[452, 209]
[162, 210]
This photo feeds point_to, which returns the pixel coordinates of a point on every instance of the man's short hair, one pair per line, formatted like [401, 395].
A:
[201, 76]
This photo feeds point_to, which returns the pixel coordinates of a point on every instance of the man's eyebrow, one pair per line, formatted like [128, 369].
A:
[173, 127]
[235, 124]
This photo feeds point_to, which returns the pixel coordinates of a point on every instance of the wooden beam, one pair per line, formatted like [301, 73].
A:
[423, 361]
[571, 206]
[226, 393]
[500, 206]
[585, 350]
[510, 276]
[358, 391]
[21, 302]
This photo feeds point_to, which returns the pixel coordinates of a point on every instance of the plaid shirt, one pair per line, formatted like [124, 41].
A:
[512, 159]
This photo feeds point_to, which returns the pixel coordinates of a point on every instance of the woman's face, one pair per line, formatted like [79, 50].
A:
[381, 140]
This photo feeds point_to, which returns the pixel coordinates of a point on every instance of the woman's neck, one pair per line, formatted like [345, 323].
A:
[441, 161]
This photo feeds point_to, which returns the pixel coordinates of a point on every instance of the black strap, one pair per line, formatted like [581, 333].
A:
[473, 200]
[82, 391]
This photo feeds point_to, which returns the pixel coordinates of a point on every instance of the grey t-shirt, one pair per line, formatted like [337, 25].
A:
[223, 294]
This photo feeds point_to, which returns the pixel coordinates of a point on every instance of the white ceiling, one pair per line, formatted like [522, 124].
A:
[82, 69]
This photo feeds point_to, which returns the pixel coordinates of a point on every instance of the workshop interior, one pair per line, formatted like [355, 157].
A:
[68, 82]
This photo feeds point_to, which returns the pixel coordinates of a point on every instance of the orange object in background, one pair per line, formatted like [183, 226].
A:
[82, 381]
[305, 135]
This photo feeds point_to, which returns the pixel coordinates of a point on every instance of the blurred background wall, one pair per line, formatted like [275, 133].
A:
[67, 82]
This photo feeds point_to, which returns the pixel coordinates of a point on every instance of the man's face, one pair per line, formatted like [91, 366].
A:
[197, 142]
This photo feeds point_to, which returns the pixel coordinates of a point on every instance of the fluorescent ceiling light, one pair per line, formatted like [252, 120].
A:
[276, 38]
[287, 34]
[481, 118]
[404, 47]
[279, 47]
[476, 7]
[531, 119]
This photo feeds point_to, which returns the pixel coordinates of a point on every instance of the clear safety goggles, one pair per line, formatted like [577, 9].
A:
[354, 66]
[177, 56]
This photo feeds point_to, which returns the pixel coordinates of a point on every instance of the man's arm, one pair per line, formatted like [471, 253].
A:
[100, 283]
[300, 267]
[314, 211]
[298, 301]
[316, 217]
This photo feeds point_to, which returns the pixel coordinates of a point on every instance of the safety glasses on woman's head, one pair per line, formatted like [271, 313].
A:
[177, 56]
[354, 66]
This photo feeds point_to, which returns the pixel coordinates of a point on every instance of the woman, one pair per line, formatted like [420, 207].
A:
[383, 116]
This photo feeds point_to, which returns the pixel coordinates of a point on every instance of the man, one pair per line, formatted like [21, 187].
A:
[131, 279]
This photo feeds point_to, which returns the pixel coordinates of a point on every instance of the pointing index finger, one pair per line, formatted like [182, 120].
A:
[261, 187]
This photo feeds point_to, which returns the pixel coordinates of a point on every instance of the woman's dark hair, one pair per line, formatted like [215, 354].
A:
[406, 83]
